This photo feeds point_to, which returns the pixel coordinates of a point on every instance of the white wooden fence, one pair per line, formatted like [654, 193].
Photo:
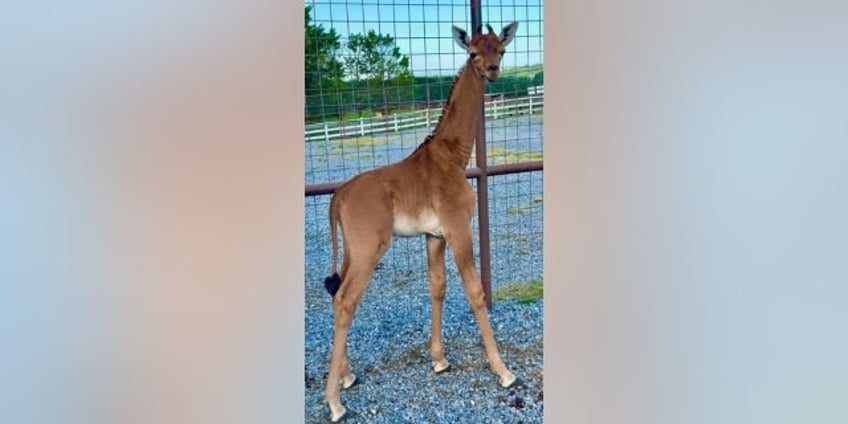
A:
[537, 90]
[495, 109]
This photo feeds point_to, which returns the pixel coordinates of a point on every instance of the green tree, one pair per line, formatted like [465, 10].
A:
[539, 78]
[324, 71]
[376, 60]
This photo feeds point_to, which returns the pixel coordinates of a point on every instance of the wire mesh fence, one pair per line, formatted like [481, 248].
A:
[377, 74]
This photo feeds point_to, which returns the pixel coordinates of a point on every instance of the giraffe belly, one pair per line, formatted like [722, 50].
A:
[425, 223]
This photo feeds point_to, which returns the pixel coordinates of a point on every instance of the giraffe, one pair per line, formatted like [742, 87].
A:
[427, 194]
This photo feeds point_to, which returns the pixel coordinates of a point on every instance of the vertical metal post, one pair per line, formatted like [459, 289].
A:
[482, 180]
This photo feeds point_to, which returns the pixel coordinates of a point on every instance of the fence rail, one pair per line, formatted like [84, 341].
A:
[495, 109]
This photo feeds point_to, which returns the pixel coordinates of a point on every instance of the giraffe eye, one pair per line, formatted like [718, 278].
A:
[502, 52]
[473, 55]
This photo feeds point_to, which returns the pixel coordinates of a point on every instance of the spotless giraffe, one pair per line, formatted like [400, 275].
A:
[427, 194]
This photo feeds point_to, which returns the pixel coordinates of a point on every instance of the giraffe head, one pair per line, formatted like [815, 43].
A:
[486, 50]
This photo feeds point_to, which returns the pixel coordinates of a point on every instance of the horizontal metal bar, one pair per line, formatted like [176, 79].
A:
[322, 188]
[509, 168]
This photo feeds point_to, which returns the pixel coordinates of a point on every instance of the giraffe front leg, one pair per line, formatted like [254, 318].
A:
[436, 265]
[461, 247]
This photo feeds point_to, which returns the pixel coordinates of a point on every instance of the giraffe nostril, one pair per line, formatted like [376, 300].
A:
[493, 67]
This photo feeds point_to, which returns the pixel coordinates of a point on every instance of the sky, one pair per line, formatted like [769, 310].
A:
[422, 28]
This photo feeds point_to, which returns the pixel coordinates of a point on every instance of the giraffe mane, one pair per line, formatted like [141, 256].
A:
[444, 109]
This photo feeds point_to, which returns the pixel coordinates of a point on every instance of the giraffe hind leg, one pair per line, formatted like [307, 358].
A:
[365, 242]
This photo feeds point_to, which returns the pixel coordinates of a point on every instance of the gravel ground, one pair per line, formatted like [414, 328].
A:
[388, 347]
[388, 342]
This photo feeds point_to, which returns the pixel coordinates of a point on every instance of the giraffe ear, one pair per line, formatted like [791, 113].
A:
[461, 37]
[508, 33]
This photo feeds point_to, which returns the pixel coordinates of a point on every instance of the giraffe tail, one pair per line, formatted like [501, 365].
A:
[333, 282]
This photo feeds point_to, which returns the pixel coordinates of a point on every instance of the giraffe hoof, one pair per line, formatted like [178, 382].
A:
[440, 368]
[509, 383]
[349, 381]
[336, 417]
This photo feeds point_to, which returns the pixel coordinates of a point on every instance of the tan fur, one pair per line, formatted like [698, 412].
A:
[426, 193]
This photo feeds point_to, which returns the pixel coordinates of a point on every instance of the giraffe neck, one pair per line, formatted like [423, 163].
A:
[454, 135]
